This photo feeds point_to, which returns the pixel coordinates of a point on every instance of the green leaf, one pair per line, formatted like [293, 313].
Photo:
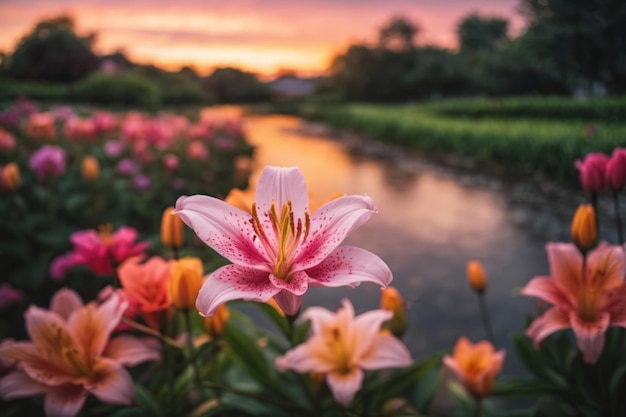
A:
[247, 354]
[275, 316]
[617, 379]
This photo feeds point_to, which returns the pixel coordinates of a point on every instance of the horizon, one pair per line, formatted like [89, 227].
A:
[265, 37]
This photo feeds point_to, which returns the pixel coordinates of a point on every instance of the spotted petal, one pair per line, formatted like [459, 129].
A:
[234, 282]
[223, 227]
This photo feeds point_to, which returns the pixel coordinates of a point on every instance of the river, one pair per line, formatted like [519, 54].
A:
[431, 222]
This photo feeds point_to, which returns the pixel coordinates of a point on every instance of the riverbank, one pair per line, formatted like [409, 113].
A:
[519, 137]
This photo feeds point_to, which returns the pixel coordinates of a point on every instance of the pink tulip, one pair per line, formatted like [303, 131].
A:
[279, 250]
[41, 126]
[104, 121]
[198, 151]
[7, 140]
[616, 169]
[592, 171]
[79, 129]
[71, 354]
[588, 301]
[170, 161]
[99, 250]
[342, 346]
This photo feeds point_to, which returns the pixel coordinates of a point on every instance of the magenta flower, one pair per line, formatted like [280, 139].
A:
[49, 160]
[9, 295]
[280, 249]
[100, 250]
[592, 171]
[127, 167]
[588, 300]
[71, 354]
[342, 346]
[616, 169]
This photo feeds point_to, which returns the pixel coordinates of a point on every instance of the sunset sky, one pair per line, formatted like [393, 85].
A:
[262, 36]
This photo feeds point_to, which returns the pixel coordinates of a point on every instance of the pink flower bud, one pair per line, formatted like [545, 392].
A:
[592, 171]
[616, 169]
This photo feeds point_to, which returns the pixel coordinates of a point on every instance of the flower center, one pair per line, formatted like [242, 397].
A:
[339, 349]
[105, 231]
[288, 233]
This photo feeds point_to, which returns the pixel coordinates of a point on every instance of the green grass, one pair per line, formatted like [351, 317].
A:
[520, 144]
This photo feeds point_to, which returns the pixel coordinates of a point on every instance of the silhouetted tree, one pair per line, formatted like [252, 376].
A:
[579, 40]
[228, 85]
[398, 35]
[478, 33]
[53, 52]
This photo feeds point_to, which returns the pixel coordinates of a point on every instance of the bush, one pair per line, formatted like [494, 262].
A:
[123, 89]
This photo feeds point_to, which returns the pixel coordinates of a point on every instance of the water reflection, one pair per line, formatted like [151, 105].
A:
[429, 225]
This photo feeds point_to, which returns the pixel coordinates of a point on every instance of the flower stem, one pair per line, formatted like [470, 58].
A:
[478, 409]
[167, 362]
[484, 313]
[192, 357]
[618, 219]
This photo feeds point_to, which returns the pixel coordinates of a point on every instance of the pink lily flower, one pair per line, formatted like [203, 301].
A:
[279, 250]
[99, 250]
[588, 300]
[342, 346]
[71, 354]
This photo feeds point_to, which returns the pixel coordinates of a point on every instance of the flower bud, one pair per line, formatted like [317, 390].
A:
[10, 177]
[90, 168]
[274, 304]
[186, 278]
[584, 227]
[214, 325]
[476, 276]
[172, 232]
[616, 169]
[391, 300]
[592, 171]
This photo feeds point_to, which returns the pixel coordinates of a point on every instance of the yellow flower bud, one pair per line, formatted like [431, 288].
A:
[584, 227]
[186, 278]
[10, 177]
[90, 168]
[172, 232]
[391, 300]
[214, 325]
[476, 276]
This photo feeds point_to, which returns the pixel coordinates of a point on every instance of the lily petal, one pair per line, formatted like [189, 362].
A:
[606, 265]
[345, 386]
[566, 268]
[233, 282]
[91, 326]
[349, 266]
[546, 289]
[64, 400]
[113, 383]
[65, 301]
[320, 317]
[330, 225]
[288, 302]
[130, 350]
[302, 360]
[280, 186]
[223, 227]
[549, 322]
[366, 327]
[298, 282]
[590, 336]
[386, 351]
[19, 385]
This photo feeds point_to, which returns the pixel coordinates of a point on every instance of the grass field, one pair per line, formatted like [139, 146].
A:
[522, 135]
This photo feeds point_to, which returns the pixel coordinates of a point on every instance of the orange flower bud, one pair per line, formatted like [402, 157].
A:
[391, 300]
[476, 276]
[214, 325]
[10, 177]
[584, 227]
[186, 278]
[172, 232]
[274, 304]
[90, 168]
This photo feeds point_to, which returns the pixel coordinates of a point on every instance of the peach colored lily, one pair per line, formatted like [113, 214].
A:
[71, 355]
[475, 366]
[146, 287]
[588, 300]
[342, 346]
[278, 249]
